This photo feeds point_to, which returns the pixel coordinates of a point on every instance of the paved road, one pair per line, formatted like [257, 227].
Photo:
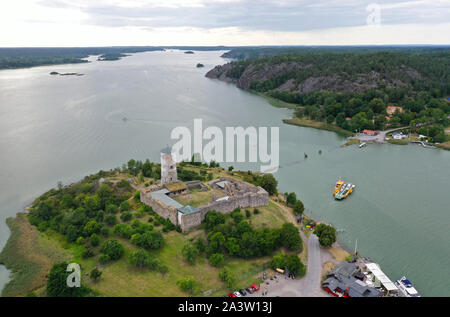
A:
[308, 286]
[313, 276]
[379, 138]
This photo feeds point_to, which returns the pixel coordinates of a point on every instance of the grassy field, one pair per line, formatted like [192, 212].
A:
[317, 125]
[398, 142]
[198, 198]
[30, 255]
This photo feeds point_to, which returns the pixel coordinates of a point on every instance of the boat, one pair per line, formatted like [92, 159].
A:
[406, 288]
[344, 190]
[306, 155]
[337, 187]
[363, 144]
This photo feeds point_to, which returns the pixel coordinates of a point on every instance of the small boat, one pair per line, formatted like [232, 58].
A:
[406, 288]
[306, 155]
[363, 144]
[320, 151]
[337, 187]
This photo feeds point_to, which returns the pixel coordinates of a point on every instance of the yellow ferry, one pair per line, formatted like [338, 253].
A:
[342, 190]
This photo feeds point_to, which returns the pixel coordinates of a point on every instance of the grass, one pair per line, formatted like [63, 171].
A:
[275, 102]
[351, 141]
[317, 125]
[30, 255]
[198, 198]
[398, 142]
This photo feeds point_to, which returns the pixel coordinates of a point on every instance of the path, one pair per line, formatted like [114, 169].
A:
[307, 286]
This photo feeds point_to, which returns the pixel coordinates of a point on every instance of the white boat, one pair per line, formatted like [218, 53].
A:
[363, 144]
[406, 288]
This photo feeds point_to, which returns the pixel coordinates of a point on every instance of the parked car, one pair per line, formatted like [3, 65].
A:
[237, 294]
[256, 288]
[231, 295]
[249, 290]
[243, 292]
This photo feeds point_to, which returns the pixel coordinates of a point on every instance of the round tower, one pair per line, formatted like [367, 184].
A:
[168, 166]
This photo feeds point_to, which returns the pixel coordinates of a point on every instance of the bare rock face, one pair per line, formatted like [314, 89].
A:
[260, 72]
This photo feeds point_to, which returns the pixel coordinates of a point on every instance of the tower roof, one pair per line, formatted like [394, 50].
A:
[167, 150]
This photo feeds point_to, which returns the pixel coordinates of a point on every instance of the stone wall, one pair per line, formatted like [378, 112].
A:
[167, 212]
[245, 196]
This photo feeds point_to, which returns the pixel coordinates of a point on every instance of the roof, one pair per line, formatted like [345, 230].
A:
[222, 184]
[188, 209]
[167, 150]
[368, 131]
[379, 275]
[161, 195]
[173, 187]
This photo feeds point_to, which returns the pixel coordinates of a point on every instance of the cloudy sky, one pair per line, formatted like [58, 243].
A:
[223, 22]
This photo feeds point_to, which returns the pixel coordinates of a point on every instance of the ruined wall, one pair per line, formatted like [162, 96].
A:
[167, 212]
[249, 199]
[246, 196]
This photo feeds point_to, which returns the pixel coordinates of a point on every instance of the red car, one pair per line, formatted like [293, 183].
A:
[231, 295]
[256, 288]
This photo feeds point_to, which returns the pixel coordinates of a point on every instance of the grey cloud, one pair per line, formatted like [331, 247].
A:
[265, 15]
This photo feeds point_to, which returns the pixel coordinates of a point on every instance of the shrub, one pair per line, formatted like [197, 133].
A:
[113, 249]
[95, 274]
[216, 259]
[187, 284]
[95, 240]
[126, 216]
[110, 220]
[189, 252]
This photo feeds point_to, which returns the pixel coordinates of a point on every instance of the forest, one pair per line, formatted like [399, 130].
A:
[352, 89]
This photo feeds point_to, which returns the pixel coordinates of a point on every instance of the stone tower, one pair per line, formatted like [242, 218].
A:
[168, 166]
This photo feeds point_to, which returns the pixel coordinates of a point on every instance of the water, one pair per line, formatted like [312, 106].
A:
[55, 128]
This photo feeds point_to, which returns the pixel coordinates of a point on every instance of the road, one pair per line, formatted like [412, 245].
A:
[307, 286]
[379, 138]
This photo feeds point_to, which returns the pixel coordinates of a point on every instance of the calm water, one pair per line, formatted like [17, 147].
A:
[56, 128]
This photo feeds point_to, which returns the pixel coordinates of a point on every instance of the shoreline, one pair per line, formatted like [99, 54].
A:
[317, 125]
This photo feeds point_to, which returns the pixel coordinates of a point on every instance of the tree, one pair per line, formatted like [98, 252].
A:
[290, 237]
[212, 219]
[230, 168]
[298, 207]
[57, 283]
[111, 220]
[216, 242]
[187, 284]
[232, 246]
[291, 198]
[227, 277]
[294, 265]
[113, 249]
[92, 227]
[139, 258]
[269, 183]
[326, 234]
[189, 252]
[95, 274]
[95, 240]
[216, 259]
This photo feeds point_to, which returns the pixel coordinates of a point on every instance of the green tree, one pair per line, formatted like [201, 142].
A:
[216, 259]
[95, 240]
[189, 252]
[298, 207]
[113, 249]
[57, 283]
[187, 284]
[326, 234]
[95, 274]
[290, 237]
[139, 258]
[227, 277]
[269, 183]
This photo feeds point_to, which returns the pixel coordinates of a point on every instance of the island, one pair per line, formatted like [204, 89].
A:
[161, 229]
[66, 74]
[351, 90]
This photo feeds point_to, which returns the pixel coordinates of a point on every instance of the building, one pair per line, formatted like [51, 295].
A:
[168, 166]
[392, 109]
[369, 132]
[345, 281]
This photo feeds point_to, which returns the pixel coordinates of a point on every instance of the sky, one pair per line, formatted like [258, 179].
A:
[222, 22]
